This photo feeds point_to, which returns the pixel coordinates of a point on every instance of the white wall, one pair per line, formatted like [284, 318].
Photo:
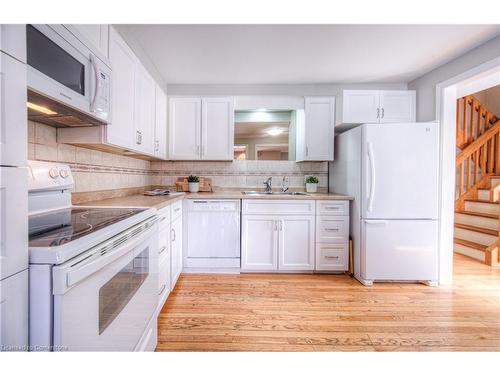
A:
[426, 85]
[490, 98]
[293, 90]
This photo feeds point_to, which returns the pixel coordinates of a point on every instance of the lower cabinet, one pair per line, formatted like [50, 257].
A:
[277, 242]
[176, 250]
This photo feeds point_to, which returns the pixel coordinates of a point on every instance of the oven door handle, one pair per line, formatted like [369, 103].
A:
[67, 276]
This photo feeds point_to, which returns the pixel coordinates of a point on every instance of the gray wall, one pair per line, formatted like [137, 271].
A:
[294, 90]
[426, 85]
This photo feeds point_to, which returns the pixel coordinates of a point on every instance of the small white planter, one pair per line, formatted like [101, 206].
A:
[194, 187]
[311, 188]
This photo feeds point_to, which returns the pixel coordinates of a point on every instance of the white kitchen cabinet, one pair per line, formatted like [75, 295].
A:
[259, 242]
[95, 34]
[121, 130]
[13, 41]
[184, 127]
[144, 111]
[315, 129]
[160, 145]
[164, 277]
[13, 114]
[296, 243]
[201, 128]
[176, 250]
[14, 312]
[375, 106]
[217, 128]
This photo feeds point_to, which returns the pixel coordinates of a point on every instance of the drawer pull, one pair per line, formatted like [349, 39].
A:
[173, 234]
[162, 289]
[177, 209]
[163, 218]
[162, 249]
[332, 229]
[332, 207]
[331, 257]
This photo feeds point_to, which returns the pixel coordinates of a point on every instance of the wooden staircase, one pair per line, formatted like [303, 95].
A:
[478, 176]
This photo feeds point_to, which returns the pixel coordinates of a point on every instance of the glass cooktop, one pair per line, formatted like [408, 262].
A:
[59, 227]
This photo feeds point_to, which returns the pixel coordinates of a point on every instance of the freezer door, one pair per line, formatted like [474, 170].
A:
[400, 171]
[399, 249]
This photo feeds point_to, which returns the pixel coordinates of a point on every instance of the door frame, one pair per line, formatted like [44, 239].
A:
[473, 80]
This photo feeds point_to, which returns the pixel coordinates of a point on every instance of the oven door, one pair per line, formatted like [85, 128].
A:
[64, 69]
[105, 298]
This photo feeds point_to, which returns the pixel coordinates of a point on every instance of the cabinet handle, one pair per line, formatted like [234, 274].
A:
[162, 289]
[378, 112]
[162, 249]
[281, 225]
[307, 151]
[138, 138]
[173, 233]
[332, 207]
[331, 257]
[382, 112]
[163, 218]
[275, 225]
[157, 145]
[332, 229]
[177, 209]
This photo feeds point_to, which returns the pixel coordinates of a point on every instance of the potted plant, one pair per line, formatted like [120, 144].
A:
[312, 184]
[194, 184]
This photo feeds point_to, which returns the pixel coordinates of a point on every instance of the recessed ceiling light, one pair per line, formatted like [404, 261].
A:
[274, 131]
[40, 108]
[262, 110]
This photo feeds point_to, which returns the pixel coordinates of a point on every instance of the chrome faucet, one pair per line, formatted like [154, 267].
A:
[284, 184]
[269, 185]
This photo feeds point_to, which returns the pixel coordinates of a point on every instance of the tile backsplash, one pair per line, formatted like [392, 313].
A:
[97, 171]
[249, 174]
[92, 170]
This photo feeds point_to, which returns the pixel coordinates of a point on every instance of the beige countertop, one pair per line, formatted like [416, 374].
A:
[165, 200]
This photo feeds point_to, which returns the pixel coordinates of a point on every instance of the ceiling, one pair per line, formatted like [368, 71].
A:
[298, 54]
[259, 129]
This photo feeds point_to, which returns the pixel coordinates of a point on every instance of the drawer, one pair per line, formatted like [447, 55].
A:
[333, 208]
[163, 218]
[163, 241]
[164, 276]
[176, 209]
[332, 228]
[278, 207]
[332, 257]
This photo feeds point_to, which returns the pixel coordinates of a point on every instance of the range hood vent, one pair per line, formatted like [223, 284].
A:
[53, 113]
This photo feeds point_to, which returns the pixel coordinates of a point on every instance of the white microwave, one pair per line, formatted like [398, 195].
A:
[68, 75]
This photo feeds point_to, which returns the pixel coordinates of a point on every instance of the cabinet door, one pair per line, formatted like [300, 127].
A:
[160, 124]
[13, 128]
[319, 125]
[184, 126]
[217, 128]
[259, 242]
[14, 312]
[97, 35]
[13, 220]
[360, 106]
[120, 131]
[397, 106]
[144, 116]
[296, 243]
[176, 250]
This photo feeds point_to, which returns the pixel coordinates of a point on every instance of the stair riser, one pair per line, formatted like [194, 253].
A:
[485, 208]
[476, 221]
[495, 193]
[473, 253]
[483, 194]
[473, 236]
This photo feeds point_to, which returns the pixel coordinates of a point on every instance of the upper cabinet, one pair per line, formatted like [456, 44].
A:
[375, 106]
[97, 35]
[160, 145]
[201, 128]
[144, 112]
[315, 129]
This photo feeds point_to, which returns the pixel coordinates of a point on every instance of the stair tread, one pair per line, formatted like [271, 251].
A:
[474, 245]
[491, 232]
[481, 214]
[480, 201]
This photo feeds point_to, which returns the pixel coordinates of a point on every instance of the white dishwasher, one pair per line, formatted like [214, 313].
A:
[213, 234]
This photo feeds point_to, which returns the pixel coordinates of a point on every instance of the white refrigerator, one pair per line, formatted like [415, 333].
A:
[13, 191]
[392, 172]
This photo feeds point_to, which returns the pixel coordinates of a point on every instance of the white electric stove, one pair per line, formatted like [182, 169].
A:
[93, 270]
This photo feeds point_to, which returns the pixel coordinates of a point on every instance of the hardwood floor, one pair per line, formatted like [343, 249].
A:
[270, 312]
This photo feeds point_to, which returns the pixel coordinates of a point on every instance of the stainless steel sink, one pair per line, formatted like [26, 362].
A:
[273, 193]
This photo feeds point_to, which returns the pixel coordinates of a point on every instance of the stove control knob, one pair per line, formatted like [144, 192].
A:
[64, 173]
[53, 173]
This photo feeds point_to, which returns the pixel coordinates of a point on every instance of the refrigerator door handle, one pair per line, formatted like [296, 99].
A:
[372, 177]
